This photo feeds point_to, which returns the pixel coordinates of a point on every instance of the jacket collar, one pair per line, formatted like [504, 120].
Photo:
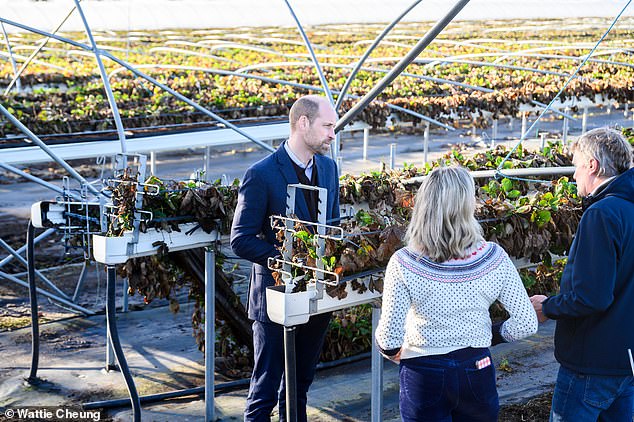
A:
[621, 186]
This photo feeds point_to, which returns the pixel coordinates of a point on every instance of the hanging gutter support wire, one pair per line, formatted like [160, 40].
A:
[498, 172]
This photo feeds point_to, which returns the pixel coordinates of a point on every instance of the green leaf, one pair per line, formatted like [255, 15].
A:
[507, 184]
[541, 217]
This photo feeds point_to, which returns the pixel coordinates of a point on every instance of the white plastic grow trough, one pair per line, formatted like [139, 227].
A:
[117, 250]
[290, 309]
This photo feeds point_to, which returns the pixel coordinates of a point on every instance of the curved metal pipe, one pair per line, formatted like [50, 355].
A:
[14, 65]
[142, 75]
[502, 56]
[437, 61]
[35, 327]
[46, 149]
[309, 46]
[283, 82]
[367, 53]
[35, 53]
[400, 66]
[410, 75]
[113, 333]
[106, 83]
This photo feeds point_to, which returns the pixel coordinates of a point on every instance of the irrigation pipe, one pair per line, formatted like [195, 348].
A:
[218, 388]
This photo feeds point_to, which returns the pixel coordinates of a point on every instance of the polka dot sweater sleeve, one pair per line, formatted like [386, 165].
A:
[513, 296]
[396, 303]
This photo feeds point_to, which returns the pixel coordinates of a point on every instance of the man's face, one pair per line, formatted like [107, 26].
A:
[584, 173]
[321, 131]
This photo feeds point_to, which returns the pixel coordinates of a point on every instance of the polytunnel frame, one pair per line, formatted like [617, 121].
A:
[364, 101]
[100, 52]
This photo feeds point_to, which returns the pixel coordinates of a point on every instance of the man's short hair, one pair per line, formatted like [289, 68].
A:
[308, 106]
[609, 147]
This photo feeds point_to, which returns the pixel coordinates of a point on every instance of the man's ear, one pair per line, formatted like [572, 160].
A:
[593, 166]
[303, 122]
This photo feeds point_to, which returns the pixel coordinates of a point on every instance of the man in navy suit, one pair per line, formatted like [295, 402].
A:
[302, 158]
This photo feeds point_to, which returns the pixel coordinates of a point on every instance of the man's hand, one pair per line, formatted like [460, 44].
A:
[536, 301]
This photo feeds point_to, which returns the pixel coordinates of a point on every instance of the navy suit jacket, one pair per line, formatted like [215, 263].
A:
[262, 194]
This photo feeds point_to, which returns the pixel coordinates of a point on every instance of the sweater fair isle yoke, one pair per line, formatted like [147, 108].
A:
[433, 308]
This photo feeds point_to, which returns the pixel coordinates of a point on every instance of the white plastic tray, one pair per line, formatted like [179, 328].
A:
[291, 309]
[114, 250]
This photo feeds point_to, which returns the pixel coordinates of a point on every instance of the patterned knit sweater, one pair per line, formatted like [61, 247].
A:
[434, 308]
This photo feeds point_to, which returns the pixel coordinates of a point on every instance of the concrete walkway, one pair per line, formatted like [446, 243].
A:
[163, 356]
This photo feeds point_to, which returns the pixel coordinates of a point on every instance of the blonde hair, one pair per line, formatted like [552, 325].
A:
[443, 224]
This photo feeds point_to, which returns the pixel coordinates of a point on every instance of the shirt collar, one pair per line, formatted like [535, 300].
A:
[296, 160]
[602, 185]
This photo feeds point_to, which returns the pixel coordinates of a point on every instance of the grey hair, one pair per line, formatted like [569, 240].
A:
[609, 147]
[443, 224]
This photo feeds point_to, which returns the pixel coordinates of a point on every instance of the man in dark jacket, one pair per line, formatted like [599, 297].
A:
[594, 338]
[262, 194]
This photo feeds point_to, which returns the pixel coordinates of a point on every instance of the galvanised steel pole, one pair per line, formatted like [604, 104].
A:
[35, 53]
[142, 75]
[370, 49]
[294, 84]
[16, 76]
[106, 83]
[396, 71]
[309, 46]
[45, 148]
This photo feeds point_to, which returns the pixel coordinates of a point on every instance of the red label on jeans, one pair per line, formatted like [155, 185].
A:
[483, 363]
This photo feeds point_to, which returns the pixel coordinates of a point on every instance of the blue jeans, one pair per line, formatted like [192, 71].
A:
[585, 398]
[449, 387]
[267, 384]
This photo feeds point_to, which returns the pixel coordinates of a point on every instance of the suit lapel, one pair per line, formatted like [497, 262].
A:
[288, 171]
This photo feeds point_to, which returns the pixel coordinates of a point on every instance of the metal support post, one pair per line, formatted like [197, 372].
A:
[543, 142]
[19, 251]
[124, 295]
[339, 164]
[290, 376]
[392, 156]
[153, 163]
[511, 123]
[80, 281]
[494, 135]
[47, 294]
[376, 398]
[41, 276]
[116, 344]
[524, 123]
[206, 165]
[210, 295]
[625, 110]
[426, 143]
[366, 141]
[564, 132]
[584, 120]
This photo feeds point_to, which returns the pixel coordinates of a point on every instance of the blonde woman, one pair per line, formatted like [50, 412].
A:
[435, 317]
